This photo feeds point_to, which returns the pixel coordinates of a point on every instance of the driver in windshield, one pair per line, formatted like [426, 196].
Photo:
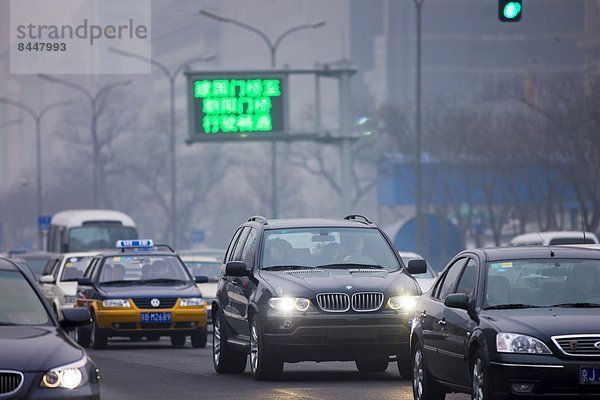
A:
[160, 270]
[278, 252]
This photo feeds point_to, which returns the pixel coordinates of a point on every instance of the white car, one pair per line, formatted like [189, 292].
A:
[425, 280]
[550, 238]
[60, 276]
[208, 265]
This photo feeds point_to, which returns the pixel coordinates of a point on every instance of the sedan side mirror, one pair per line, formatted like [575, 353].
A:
[74, 316]
[457, 300]
[47, 279]
[201, 278]
[84, 281]
[417, 266]
[236, 268]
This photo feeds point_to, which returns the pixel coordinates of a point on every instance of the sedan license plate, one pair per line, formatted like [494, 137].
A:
[155, 317]
[589, 375]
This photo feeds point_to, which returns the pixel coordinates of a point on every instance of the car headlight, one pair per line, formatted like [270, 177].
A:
[192, 302]
[404, 303]
[120, 303]
[517, 343]
[67, 376]
[289, 304]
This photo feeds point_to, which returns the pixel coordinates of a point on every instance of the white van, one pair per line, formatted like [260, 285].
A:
[554, 238]
[85, 230]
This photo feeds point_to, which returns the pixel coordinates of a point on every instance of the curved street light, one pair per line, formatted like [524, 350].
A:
[37, 117]
[172, 143]
[93, 100]
[272, 45]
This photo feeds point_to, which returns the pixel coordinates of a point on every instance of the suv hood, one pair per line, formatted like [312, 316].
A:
[36, 348]
[313, 281]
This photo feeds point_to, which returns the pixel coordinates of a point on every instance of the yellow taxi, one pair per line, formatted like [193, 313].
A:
[140, 290]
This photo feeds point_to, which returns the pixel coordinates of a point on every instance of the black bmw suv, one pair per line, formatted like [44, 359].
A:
[313, 290]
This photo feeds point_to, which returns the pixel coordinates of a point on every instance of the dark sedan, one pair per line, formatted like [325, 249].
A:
[38, 360]
[313, 290]
[510, 323]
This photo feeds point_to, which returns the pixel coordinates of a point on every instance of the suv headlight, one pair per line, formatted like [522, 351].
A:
[289, 304]
[119, 303]
[404, 303]
[67, 376]
[192, 302]
[517, 343]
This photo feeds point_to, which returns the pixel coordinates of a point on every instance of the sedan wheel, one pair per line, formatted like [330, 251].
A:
[480, 385]
[424, 386]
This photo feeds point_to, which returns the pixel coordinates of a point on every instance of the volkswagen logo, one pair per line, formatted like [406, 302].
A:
[597, 345]
[155, 303]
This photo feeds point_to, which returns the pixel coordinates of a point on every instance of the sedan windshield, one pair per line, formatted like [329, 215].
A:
[326, 247]
[543, 283]
[19, 304]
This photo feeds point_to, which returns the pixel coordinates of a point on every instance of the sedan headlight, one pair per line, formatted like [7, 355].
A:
[517, 343]
[67, 376]
[117, 303]
[289, 304]
[404, 303]
[192, 302]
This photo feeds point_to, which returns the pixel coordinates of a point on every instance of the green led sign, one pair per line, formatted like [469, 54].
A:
[235, 105]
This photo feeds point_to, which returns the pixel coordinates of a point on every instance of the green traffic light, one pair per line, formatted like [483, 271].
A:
[512, 10]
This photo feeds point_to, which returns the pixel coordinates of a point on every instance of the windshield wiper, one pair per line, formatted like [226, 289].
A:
[164, 280]
[352, 265]
[576, 305]
[7, 324]
[122, 283]
[280, 267]
[509, 306]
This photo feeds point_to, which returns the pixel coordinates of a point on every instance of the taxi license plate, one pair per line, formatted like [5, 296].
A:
[589, 375]
[155, 317]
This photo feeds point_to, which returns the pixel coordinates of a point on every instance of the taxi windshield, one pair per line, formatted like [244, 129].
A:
[135, 268]
[19, 304]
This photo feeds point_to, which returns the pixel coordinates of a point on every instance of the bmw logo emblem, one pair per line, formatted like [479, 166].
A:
[155, 303]
[349, 287]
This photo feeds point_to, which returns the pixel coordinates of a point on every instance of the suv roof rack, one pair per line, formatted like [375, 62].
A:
[359, 218]
[258, 218]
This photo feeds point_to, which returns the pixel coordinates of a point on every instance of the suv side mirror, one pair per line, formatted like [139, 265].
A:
[201, 278]
[84, 281]
[236, 268]
[75, 316]
[47, 279]
[417, 266]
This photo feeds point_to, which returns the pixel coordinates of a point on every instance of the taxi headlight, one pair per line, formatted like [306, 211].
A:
[192, 302]
[289, 304]
[67, 376]
[404, 303]
[517, 343]
[120, 303]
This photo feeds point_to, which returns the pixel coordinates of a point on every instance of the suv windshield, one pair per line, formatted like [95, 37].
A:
[19, 304]
[314, 247]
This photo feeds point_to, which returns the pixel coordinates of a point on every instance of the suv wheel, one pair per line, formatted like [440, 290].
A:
[225, 360]
[372, 365]
[199, 337]
[263, 364]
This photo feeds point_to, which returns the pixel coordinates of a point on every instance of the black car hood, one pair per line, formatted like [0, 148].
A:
[545, 322]
[145, 291]
[313, 281]
[36, 349]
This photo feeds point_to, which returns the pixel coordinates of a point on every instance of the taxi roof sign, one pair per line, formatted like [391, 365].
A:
[135, 243]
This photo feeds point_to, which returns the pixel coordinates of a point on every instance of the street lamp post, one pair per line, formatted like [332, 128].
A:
[418, 178]
[171, 76]
[272, 45]
[37, 117]
[93, 100]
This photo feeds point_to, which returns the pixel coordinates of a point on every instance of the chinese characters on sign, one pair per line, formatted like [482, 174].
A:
[237, 105]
